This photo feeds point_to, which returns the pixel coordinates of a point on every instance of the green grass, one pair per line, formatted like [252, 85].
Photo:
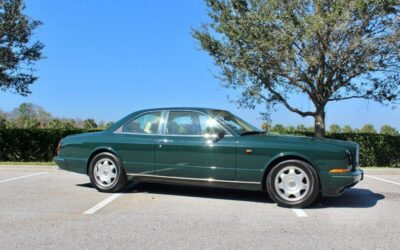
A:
[36, 163]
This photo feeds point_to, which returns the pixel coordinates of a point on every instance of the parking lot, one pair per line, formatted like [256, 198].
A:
[42, 207]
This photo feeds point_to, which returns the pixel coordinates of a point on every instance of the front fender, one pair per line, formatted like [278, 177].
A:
[290, 155]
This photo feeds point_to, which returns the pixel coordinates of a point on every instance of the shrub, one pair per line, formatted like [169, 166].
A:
[378, 150]
[31, 144]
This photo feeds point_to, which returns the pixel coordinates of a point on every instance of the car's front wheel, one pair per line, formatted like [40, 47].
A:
[293, 183]
[106, 173]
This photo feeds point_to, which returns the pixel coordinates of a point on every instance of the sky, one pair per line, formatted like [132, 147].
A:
[106, 59]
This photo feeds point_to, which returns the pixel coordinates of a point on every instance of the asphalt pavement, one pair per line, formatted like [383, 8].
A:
[46, 208]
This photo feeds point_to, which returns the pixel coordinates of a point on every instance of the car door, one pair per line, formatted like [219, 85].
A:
[190, 148]
[136, 141]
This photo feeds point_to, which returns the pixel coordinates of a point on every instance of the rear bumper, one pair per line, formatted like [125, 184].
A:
[77, 165]
[337, 183]
[61, 163]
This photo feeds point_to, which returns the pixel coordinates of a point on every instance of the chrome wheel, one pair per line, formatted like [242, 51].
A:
[292, 183]
[105, 172]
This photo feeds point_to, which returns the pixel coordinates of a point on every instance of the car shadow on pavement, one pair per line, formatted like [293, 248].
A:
[203, 192]
[88, 185]
[194, 191]
[351, 198]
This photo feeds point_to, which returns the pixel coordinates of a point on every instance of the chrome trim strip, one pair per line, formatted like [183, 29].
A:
[193, 179]
[163, 135]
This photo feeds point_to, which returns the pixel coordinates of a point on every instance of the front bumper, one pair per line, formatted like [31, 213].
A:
[335, 184]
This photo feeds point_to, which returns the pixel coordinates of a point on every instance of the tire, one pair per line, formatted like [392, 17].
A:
[106, 173]
[293, 183]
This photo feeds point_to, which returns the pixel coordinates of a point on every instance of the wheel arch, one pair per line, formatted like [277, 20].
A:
[284, 157]
[99, 150]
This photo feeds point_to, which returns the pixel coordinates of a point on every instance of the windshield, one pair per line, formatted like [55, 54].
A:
[235, 123]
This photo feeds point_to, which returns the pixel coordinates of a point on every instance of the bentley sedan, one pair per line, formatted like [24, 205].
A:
[210, 147]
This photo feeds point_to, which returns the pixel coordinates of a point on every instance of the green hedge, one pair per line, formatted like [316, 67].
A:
[377, 150]
[31, 144]
[40, 144]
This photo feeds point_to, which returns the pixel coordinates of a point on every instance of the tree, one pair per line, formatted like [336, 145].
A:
[290, 129]
[347, 129]
[335, 128]
[388, 130]
[266, 126]
[326, 51]
[301, 128]
[368, 128]
[29, 115]
[109, 124]
[17, 53]
[3, 119]
[89, 123]
[61, 123]
[279, 128]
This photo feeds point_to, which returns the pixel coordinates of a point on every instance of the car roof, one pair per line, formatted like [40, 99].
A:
[206, 110]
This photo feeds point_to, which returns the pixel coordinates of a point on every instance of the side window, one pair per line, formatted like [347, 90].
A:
[209, 126]
[183, 123]
[191, 123]
[144, 124]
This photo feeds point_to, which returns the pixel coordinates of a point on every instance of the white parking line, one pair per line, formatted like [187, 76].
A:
[21, 177]
[299, 212]
[102, 204]
[105, 202]
[380, 179]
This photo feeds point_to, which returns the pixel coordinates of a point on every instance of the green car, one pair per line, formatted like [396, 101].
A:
[210, 147]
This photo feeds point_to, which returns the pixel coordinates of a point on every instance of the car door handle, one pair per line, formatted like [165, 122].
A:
[164, 141]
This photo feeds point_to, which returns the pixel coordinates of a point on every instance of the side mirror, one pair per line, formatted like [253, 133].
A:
[221, 134]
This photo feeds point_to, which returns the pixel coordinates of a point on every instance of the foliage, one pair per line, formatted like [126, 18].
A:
[17, 53]
[325, 51]
[368, 128]
[29, 115]
[335, 128]
[388, 130]
[89, 124]
[32, 144]
[347, 129]
[375, 149]
[3, 120]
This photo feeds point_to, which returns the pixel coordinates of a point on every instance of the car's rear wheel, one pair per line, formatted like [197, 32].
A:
[293, 183]
[106, 173]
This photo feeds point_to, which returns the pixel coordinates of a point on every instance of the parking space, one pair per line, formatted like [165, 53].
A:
[50, 208]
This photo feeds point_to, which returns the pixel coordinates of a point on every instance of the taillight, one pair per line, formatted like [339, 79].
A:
[349, 158]
[58, 148]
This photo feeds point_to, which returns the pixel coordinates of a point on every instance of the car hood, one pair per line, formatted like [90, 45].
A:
[304, 139]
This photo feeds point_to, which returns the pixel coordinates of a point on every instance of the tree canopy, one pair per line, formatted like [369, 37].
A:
[17, 53]
[326, 51]
[32, 116]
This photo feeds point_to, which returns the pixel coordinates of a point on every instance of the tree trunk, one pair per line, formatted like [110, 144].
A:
[319, 128]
